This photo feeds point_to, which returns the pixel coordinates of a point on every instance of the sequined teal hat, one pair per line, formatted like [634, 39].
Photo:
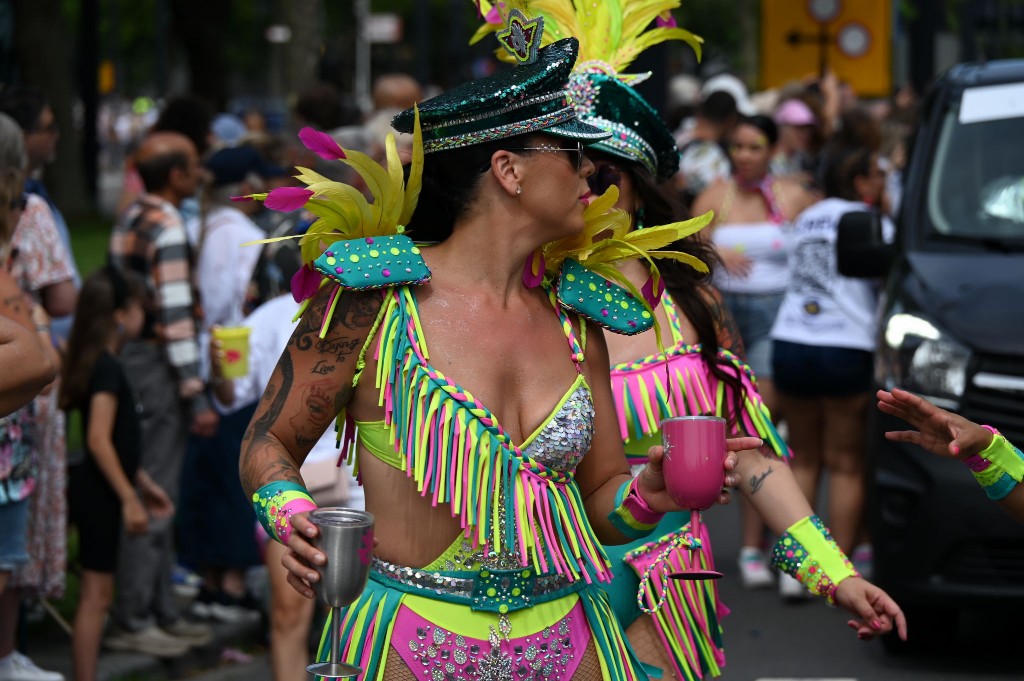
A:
[637, 132]
[527, 98]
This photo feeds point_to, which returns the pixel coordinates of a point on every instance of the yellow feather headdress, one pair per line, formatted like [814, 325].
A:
[612, 33]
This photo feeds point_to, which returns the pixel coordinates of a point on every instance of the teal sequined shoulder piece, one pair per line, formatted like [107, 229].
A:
[373, 262]
[601, 301]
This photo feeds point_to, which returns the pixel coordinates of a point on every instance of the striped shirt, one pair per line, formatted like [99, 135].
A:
[150, 240]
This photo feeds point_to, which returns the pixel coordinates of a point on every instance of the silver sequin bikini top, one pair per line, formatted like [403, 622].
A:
[565, 438]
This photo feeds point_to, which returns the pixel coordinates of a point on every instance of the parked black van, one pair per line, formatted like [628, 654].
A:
[952, 330]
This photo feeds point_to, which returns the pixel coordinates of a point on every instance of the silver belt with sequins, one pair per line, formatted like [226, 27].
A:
[487, 590]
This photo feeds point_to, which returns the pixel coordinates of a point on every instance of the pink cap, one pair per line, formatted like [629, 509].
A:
[794, 112]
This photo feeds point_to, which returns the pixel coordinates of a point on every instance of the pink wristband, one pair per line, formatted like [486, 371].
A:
[976, 463]
[639, 508]
[282, 523]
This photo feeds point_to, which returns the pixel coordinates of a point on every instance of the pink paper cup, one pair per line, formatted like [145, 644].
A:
[694, 462]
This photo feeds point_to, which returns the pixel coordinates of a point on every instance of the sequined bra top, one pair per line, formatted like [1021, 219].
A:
[513, 500]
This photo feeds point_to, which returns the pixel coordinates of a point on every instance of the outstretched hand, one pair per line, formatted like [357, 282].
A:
[651, 480]
[939, 431]
[875, 612]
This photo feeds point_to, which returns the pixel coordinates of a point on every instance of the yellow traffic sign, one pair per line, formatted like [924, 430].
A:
[851, 37]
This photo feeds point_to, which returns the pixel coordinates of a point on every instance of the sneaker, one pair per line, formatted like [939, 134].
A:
[754, 571]
[186, 584]
[790, 589]
[17, 667]
[234, 610]
[200, 607]
[863, 559]
[149, 641]
[190, 633]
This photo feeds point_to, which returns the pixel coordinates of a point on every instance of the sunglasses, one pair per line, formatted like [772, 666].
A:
[577, 151]
[606, 175]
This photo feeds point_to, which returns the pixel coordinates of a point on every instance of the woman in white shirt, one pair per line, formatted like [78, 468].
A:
[824, 345]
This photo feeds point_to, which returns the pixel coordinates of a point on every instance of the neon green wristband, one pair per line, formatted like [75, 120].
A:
[1003, 454]
[808, 553]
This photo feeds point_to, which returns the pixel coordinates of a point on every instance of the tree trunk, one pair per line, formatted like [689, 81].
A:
[42, 45]
[749, 19]
[306, 19]
[202, 26]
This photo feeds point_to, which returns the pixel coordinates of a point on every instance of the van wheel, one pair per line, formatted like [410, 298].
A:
[929, 629]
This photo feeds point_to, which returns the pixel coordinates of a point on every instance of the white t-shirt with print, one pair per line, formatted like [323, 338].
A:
[821, 307]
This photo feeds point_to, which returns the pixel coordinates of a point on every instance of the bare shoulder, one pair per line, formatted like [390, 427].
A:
[711, 198]
[795, 195]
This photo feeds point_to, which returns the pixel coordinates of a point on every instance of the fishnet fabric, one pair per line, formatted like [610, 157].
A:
[647, 645]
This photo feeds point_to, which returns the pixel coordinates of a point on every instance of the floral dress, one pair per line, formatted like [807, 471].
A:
[42, 260]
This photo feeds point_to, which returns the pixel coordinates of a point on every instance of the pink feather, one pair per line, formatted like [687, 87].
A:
[287, 199]
[305, 283]
[322, 144]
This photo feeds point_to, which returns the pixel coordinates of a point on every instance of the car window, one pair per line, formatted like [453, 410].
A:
[976, 187]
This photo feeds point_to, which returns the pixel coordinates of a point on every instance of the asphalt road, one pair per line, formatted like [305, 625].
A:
[767, 639]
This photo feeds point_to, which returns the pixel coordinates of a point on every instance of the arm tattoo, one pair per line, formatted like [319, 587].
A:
[257, 467]
[303, 408]
[756, 481]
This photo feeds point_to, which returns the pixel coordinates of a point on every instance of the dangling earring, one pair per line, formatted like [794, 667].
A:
[519, 190]
[640, 218]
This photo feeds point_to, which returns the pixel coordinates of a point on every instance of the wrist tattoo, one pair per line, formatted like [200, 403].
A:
[756, 481]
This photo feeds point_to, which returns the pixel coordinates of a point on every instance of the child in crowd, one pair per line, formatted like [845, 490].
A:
[108, 487]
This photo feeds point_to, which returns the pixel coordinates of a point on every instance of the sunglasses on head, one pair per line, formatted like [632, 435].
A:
[606, 175]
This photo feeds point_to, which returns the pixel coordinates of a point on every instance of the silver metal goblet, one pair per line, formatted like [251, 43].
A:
[346, 538]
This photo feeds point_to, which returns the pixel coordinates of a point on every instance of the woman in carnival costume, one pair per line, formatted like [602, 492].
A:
[674, 375]
[492, 488]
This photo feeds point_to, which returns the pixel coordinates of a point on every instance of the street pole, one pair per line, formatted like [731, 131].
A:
[423, 43]
[361, 9]
[823, 41]
[88, 90]
[162, 29]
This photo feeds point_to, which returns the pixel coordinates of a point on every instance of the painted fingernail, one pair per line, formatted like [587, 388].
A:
[956, 449]
[875, 624]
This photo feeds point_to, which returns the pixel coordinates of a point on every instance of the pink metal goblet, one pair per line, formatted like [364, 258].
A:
[694, 468]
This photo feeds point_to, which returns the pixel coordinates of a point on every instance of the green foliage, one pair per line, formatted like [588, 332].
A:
[716, 22]
[90, 235]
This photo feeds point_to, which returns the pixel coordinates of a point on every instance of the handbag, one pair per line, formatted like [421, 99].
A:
[327, 482]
